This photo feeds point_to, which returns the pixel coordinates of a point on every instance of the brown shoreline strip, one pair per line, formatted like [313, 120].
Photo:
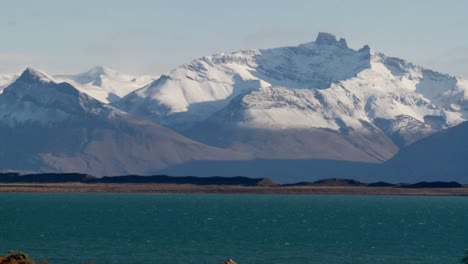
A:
[223, 189]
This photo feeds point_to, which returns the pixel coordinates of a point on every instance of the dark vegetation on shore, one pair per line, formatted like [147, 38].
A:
[162, 179]
[222, 181]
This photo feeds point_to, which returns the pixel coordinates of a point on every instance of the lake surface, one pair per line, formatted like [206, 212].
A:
[273, 229]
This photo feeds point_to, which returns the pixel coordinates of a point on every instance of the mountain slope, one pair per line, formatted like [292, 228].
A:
[269, 131]
[440, 156]
[105, 84]
[319, 86]
[53, 127]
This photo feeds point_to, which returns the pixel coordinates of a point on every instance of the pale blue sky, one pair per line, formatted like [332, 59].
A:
[154, 36]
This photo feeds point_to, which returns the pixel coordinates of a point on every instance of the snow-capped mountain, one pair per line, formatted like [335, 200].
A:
[284, 111]
[35, 98]
[105, 84]
[53, 127]
[319, 85]
[6, 79]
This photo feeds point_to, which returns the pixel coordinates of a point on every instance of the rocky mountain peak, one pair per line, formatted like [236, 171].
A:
[330, 39]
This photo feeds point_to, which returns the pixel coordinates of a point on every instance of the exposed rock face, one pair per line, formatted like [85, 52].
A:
[329, 39]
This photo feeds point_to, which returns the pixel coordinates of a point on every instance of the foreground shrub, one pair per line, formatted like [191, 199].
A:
[14, 257]
[229, 261]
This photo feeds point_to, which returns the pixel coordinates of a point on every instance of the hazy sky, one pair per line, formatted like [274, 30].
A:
[152, 37]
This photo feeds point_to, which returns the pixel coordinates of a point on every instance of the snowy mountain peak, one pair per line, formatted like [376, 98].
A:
[194, 91]
[31, 74]
[93, 76]
[330, 39]
[99, 71]
[36, 98]
[35, 85]
[105, 84]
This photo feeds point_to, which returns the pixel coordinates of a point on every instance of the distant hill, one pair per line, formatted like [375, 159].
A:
[442, 156]
[331, 182]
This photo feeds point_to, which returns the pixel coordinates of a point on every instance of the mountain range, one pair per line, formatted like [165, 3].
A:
[102, 83]
[291, 113]
[50, 126]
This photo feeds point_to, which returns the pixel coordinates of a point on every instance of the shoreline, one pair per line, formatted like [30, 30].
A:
[223, 189]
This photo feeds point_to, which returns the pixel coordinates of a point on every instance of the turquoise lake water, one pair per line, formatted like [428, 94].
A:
[153, 228]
